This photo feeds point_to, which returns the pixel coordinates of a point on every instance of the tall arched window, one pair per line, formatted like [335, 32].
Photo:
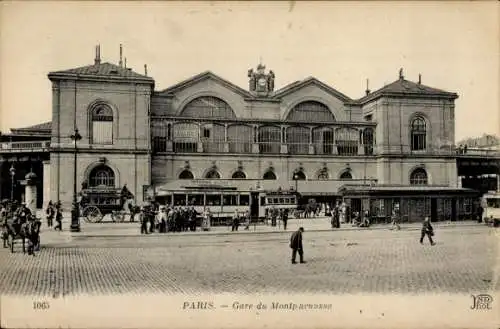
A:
[347, 141]
[102, 176]
[208, 107]
[270, 139]
[346, 175]
[310, 111]
[299, 175]
[186, 174]
[368, 140]
[297, 139]
[102, 125]
[269, 175]
[418, 177]
[239, 175]
[240, 138]
[212, 174]
[418, 134]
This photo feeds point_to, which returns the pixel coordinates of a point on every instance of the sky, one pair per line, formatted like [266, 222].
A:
[454, 45]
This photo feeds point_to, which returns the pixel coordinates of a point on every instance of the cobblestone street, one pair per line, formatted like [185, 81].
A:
[375, 261]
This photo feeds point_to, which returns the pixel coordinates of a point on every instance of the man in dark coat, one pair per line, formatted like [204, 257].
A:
[284, 218]
[296, 245]
[427, 230]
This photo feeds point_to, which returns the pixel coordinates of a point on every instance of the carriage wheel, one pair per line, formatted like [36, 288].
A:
[92, 214]
[117, 217]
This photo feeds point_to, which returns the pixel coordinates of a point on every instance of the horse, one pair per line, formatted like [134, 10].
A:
[14, 231]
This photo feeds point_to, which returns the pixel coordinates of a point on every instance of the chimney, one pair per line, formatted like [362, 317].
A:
[97, 59]
[125, 62]
[367, 91]
[145, 70]
[121, 54]
[419, 79]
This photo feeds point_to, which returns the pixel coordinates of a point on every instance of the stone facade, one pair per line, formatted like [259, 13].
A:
[142, 119]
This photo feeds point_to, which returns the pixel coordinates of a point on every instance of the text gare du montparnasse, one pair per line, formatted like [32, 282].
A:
[259, 306]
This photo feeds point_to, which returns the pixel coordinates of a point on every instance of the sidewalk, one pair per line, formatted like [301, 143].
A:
[318, 224]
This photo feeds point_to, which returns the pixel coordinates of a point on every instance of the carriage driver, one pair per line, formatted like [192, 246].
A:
[23, 213]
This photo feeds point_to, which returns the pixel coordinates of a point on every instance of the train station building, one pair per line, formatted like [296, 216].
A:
[207, 141]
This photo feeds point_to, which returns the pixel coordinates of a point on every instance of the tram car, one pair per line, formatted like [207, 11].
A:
[491, 205]
[223, 203]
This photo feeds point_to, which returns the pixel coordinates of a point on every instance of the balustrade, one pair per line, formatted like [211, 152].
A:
[25, 146]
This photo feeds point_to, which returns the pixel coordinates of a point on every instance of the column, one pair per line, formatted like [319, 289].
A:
[255, 145]
[361, 146]
[311, 146]
[170, 142]
[459, 181]
[46, 183]
[284, 146]
[200, 144]
[226, 143]
[30, 192]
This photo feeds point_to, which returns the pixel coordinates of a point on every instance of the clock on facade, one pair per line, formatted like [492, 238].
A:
[262, 83]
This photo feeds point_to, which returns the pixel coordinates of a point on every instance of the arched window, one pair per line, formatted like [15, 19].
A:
[269, 175]
[323, 140]
[297, 139]
[208, 107]
[346, 175]
[102, 176]
[240, 138]
[299, 175]
[310, 111]
[418, 177]
[418, 134]
[185, 136]
[323, 174]
[212, 174]
[347, 141]
[368, 140]
[239, 175]
[102, 125]
[186, 174]
[270, 139]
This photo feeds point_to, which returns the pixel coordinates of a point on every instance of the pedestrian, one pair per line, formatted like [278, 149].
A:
[59, 217]
[284, 218]
[396, 217]
[236, 221]
[144, 221]
[296, 245]
[50, 212]
[427, 230]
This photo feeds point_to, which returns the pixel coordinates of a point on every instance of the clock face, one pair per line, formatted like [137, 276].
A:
[262, 82]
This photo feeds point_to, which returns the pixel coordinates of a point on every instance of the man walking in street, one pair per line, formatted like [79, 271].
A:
[427, 230]
[296, 245]
[284, 218]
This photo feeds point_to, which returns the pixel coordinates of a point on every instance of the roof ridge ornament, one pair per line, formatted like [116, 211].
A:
[401, 76]
[97, 59]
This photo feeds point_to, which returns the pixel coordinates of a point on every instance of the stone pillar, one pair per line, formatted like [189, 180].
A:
[226, 142]
[311, 145]
[361, 149]
[30, 192]
[200, 144]
[255, 145]
[459, 181]
[46, 183]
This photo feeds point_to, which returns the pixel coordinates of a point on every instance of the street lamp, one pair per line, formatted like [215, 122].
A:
[296, 178]
[12, 171]
[75, 223]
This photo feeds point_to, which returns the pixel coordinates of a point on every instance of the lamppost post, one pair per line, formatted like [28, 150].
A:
[75, 222]
[12, 171]
[296, 178]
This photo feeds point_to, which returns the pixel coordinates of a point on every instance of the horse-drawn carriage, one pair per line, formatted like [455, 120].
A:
[96, 203]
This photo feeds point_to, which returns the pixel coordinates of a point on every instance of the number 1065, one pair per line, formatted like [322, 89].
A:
[41, 305]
